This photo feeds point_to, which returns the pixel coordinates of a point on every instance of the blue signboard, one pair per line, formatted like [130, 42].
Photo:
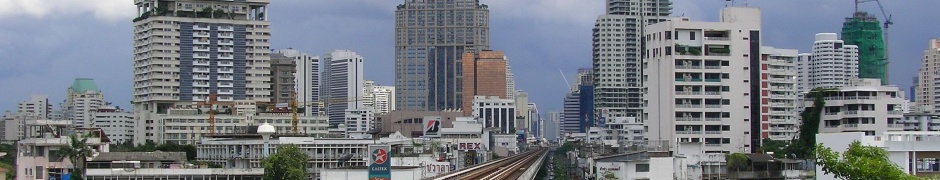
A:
[380, 165]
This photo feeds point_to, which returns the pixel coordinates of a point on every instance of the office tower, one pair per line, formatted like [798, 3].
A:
[578, 110]
[537, 125]
[282, 78]
[116, 123]
[383, 99]
[831, 65]
[82, 101]
[306, 79]
[497, 112]
[552, 125]
[618, 48]
[484, 74]
[510, 83]
[927, 77]
[703, 81]
[862, 105]
[781, 71]
[342, 83]
[430, 37]
[183, 53]
[523, 120]
[864, 30]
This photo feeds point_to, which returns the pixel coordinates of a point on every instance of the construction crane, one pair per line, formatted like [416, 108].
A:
[886, 24]
[294, 104]
[211, 102]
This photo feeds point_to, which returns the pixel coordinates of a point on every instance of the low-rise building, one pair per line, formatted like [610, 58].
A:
[190, 125]
[158, 165]
[863, 105]
[495, 112]
[409, 123]
[115, 122]
[359, 122]
[916, 153]
[921, 122]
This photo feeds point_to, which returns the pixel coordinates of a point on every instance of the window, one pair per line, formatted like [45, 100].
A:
[38, 172]
[642, 167]
[692, 35]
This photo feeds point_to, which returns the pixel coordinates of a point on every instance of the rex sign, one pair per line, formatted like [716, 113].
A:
[380, 165]
[469, 146]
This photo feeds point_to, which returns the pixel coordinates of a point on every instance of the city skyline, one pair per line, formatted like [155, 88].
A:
[87, 39]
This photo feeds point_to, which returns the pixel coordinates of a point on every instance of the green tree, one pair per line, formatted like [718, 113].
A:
[806, 142]
[288, 163]
[859, 163]
[779, 148]
[609, 176]
[77, 151]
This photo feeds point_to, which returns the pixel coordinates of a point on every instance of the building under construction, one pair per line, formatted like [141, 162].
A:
[864, 30]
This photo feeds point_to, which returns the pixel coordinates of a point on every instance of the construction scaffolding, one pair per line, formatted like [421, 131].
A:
[864, 30]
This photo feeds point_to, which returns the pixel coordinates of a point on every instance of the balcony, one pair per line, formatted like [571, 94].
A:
[200, 91]
[201, 77]
[226, 70]
[200, 41]
[688, 106]
[712, 67]
[712, 132]
[712, 80]
[688, 80]
[201, 48]
[688, 132]
[226, 78]
[850, 125]
[688, 119]
[201, 70]
[226, 56]
[718, 51]
[225, 91]
[851, 112]
[226, 49]
[226, 99]
[895, 125]
[226, 35]
[225, 84]
[688, 50]
[712, 119]
[201, 34]
[712, 93]
[896, 112]
[688, 92]
[201, 63]
[712, 105]
[717, 39]
[688, 67]
[226, 42]
[201, 55]
[201, 27]
[226, 63]
[712, 145]
[226, 28]
[200, 84]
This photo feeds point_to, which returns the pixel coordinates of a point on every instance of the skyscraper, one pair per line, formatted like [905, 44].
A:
[484, 74]
[342, 84]
[306, 78]
[82, 101]
[864, 31]
[781, 71]
[185, 50]
[430, 37]
[926, 80]
[617, 53]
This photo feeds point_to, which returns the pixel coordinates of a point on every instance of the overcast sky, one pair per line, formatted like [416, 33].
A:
[46, 44]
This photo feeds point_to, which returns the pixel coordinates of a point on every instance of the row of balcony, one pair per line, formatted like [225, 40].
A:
[220, 70]
[698, 105]
[206, 77]
[219, 42]
[205, 84]
[696, 67]
[206, 91]
[206, 63]
[698, 119]
[696, 80]
[856, 112]
[698, 132]
[698, 92]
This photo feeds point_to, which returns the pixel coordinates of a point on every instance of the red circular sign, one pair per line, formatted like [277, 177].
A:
[380, 156]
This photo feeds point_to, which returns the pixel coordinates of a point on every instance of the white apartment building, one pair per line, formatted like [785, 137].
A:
[495, 112]
[36, 156]
[342, 83]
[383, 100]
[915, 153]
[510, 82]
[358, 122]
[831, 65]
[306, 78]
[368, 99]
[116, 123]
[82, 101]
[696, 74]
[921, 122]
[617, 132]
[927, 77]
[182, 56]
[617, 37]
[186, 126]
[784, 120]
[862, 105]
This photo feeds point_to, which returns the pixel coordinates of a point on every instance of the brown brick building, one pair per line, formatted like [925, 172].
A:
[484, 74]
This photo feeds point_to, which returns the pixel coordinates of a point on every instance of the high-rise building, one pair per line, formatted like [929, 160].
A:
[831, 65]
[283, 69]
[186, 50]
[569, 117]
[342, 86]
[484, 74]
[618, 49]
[578, 110]
[523, 120]
[306, 79]
[368, 98]
[510, 83]
[552, 125]
[784, 121]
[383, 99]
[703, 79]
[116, 123]
[430, 37]
[82, 101]
[14, 123]
[927, 77]
[862, 105]
[864, 30]
[497, 112]
[537, 125]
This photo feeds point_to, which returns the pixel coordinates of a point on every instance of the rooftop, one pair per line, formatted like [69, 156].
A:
[141, 156]
[84, 85]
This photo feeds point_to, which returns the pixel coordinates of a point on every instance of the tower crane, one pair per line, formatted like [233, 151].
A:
[885, 25]
[211, 102]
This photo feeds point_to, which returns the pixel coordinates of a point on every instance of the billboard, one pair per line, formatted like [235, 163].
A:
[432, 126]
[380, 165]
